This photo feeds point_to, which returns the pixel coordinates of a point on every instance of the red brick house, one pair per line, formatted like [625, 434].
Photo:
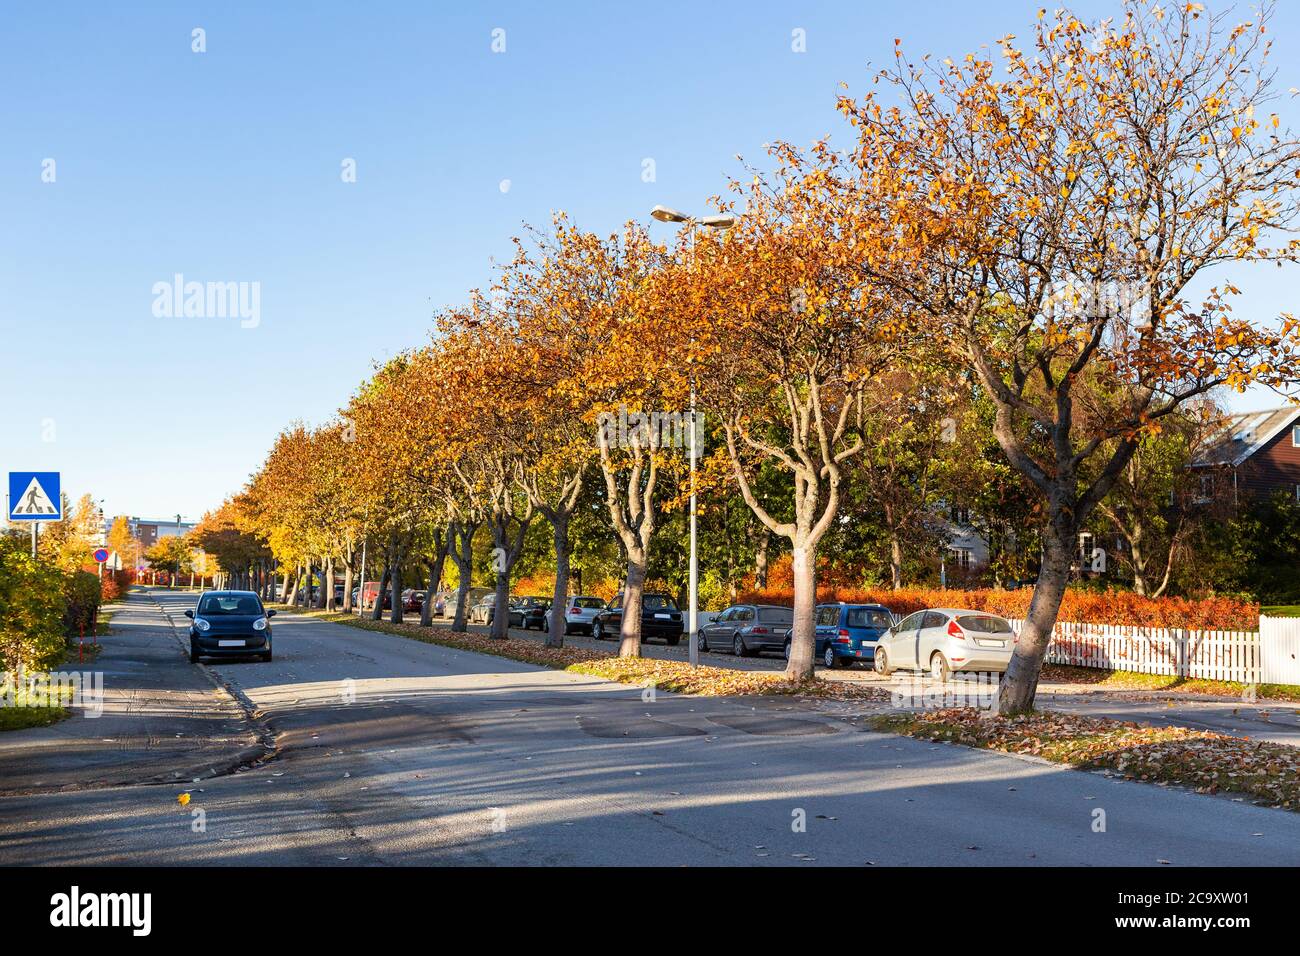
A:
[1258, 452]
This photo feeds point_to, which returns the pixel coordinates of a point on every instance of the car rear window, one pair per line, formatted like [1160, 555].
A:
[867, 617]
[658, 602]
[776, 615]
[588, 602]
[216, 604]
[984, 623]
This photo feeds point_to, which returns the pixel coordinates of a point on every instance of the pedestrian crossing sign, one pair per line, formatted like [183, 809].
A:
[34, 496]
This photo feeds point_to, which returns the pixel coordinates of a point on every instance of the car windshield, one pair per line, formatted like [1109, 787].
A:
[213, 605]
[867, 617]
[588, 602]
[658, 602]
[776, 615]
[985, 624]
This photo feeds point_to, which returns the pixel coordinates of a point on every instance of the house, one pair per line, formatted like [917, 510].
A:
[1258, 452]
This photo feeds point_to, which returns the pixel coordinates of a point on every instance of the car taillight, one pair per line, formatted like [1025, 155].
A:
[954, 630]
[760, 630]
[843, 637]
[576, 610]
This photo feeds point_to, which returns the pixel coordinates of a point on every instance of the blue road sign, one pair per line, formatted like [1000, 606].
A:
[34, 496]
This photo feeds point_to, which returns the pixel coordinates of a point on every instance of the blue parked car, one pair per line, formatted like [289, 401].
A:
[848, 632]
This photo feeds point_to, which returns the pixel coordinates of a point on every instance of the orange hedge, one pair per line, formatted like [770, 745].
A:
[1082, 607]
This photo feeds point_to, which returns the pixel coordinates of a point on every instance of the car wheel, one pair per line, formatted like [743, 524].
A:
[567, 629]
[829, 657]
[786, 649]
[701, 642]
[266, 658]
[194, 653]
[939, 668]
[597, 632]
[882, 662]
[738, 646]
[673, 640]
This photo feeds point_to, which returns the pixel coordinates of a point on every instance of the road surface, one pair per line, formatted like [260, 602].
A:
[390, 752]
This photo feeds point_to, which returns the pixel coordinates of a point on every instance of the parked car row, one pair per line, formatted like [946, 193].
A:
[936, 640]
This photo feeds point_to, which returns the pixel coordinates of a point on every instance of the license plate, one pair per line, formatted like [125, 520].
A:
[230, 643]
[991, 643]
[664, 617]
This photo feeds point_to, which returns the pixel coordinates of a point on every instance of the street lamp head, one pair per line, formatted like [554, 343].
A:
[718, 222]
[664, 214]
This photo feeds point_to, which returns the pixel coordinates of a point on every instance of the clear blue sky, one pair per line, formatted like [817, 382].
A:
[225, 166]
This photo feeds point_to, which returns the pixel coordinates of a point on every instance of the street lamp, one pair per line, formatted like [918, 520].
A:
[665, 214]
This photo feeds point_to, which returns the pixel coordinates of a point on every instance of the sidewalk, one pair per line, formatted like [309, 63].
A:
[164, 719]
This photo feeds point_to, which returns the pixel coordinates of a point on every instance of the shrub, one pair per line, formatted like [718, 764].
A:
[82, 594]
[1080, 606]
[32, 604]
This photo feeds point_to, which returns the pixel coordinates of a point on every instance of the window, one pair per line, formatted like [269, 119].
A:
[867, 617]
[934, 619]
[911, 623]
[962, 558]
[1295, 436]
[1297, 492]
[828, 616]
[775, 615]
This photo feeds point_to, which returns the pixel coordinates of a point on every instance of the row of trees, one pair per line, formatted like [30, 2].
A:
[1022, 240]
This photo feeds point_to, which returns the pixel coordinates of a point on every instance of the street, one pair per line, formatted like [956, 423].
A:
[388, 751]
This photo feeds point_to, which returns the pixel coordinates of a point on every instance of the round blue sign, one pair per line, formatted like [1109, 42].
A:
[101, 555]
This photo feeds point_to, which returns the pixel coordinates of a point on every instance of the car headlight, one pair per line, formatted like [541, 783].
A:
[201, 624]
[259, 624]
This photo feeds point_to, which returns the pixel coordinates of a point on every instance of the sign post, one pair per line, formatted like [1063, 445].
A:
[35, 496]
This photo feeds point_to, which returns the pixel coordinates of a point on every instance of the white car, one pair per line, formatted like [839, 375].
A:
[579, 612]
[943, 639]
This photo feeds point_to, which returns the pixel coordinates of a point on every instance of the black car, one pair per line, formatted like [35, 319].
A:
[230, 624]
[659, 618]
[745, 629]
[529, 613]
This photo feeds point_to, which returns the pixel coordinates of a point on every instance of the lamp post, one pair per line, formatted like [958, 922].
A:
[664, 214]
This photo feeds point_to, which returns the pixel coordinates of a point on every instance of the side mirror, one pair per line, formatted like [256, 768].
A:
[189, 614]
[271, 613]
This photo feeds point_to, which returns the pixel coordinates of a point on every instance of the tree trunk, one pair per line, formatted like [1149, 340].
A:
[803, 638]
[329, 583]
[462, 555]
[377, 612]
[760, 559]
[309, 589]
[395, 614]
[347, 582]
[895, 559]
[630, 631]
[1020, 682]
[560, 597]
[441, 541]
[508, 550]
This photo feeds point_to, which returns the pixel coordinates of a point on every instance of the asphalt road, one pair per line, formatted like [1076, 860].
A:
[389, 751]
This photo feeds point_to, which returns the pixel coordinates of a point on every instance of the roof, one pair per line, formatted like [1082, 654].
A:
[1246, 433]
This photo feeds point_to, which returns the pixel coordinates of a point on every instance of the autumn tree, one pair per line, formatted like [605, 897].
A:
[1054, 215]
[788, 334]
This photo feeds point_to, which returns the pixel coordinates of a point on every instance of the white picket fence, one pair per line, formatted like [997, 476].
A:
[1270, 655]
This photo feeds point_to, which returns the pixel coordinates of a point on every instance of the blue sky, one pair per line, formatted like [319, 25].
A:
[225, 166]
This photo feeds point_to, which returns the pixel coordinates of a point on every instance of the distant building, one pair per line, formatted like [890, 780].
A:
[1257, 453]
[149, 532]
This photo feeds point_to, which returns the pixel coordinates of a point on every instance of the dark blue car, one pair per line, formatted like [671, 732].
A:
[847, 633]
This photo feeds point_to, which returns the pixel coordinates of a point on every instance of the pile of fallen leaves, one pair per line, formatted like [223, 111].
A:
[681, 678]
[676, 677]
[1204, 761]
[516, 649]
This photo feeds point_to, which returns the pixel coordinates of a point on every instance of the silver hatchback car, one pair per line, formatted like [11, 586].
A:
[943, 639]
